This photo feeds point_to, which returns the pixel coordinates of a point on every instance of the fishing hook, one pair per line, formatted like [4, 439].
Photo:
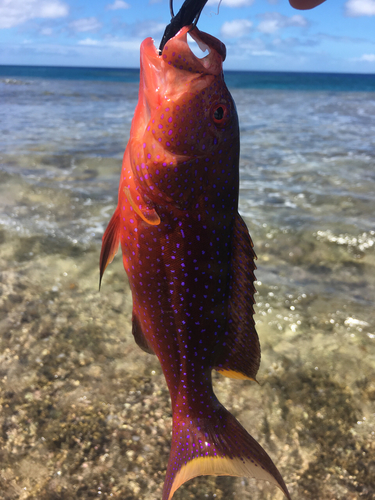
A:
[188, 14]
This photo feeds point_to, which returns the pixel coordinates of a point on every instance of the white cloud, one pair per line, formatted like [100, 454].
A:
[237, 3]
[268, 26]
[293, 43]
[111, 52]
[356, 8]
[230, 3]
[236, 28]
[85, 24]
[118, 4]
[88, 41]
[46, 31]
[113, 43]
[15, 12]
[273, 22]
[246, 48]
[367, 58]
[148, 28]
[344, 39]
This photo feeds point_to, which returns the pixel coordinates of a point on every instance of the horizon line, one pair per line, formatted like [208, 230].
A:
[226, 70]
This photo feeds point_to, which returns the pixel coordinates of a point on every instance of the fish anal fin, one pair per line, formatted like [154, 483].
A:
[141, 208]
[139, 336]
[234, 374]
[239, 356]
[217, 445]
[110, 243]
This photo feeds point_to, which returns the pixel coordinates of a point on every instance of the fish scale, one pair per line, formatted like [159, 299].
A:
[188, 255]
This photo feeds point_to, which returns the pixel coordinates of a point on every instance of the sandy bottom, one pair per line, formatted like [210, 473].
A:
[86, 414]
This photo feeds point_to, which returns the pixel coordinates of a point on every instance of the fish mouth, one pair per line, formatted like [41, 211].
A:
[215, 47]
[177, 70]
[178, 45]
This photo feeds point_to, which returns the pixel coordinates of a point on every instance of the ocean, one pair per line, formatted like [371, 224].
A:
[85, 413]
[344, 82]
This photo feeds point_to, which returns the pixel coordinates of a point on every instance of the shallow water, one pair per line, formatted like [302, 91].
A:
[85, 413]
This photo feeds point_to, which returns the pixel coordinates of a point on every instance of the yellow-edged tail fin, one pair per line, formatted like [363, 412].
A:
[217, 445]
[110, 243]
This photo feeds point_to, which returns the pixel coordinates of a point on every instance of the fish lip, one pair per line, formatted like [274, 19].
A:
[152, 58]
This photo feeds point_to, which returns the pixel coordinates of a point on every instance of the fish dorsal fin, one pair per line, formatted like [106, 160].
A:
[141, 208]
[240, 355]
[110, 243]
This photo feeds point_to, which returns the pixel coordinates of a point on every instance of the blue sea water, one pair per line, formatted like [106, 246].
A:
[307, 194]
[341, 82]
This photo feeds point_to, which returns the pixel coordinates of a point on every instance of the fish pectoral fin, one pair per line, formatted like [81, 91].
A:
[217, 446]
[141, 208]
[110, 243]
[139, 336]
[239, 355]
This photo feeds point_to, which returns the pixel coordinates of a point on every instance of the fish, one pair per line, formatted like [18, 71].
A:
[188, 254]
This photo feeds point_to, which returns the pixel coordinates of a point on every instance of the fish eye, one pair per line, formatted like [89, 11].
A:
[219, 113]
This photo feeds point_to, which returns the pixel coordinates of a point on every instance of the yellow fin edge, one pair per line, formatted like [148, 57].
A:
[220, 466]
[235, 375]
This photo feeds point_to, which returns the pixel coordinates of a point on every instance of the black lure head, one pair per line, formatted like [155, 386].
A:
[188, 14]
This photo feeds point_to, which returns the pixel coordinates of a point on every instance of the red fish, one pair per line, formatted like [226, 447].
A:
[188, 254]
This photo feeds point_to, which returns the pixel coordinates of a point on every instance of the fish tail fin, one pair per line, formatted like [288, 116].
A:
[216, 445]
[110, 243]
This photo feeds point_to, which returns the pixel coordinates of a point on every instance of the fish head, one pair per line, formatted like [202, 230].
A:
[185, 113]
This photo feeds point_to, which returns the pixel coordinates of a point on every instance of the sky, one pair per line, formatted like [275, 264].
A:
[337, 36]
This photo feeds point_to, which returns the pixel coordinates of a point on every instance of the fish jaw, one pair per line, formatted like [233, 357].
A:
[169, 75]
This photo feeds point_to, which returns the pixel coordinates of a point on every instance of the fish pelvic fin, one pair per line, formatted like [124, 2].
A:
[110, 243]
[139, 336]
[239, 356]
[217, 445]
